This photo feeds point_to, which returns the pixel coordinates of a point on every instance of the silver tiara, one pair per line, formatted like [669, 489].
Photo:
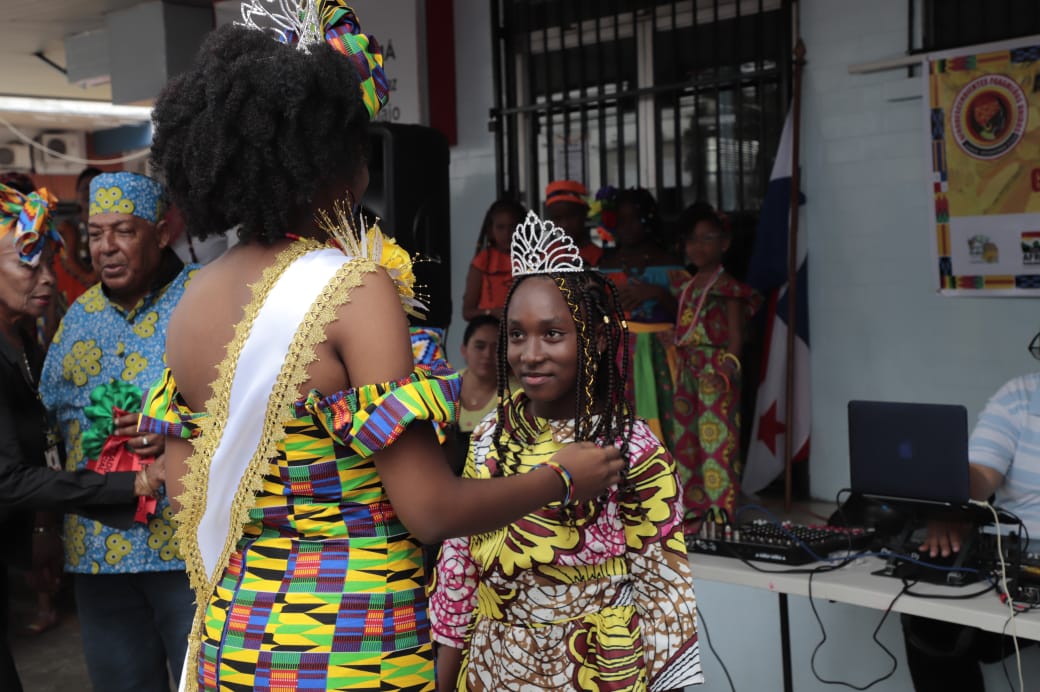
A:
[284, 17]
[540, 247]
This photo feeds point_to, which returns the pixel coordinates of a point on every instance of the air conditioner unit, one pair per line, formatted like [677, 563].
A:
[15, 156]
[65, 143]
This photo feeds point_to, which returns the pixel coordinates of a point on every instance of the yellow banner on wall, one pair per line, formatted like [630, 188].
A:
[984, 116]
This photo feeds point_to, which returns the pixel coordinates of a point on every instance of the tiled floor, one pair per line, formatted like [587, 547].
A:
[51, 661]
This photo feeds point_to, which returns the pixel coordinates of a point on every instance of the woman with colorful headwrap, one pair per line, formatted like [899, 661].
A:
[648, 278]
[31, 477]
[291, 393]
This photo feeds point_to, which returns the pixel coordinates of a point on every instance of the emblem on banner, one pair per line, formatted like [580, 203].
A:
[982, 251]
[1031, 247]
[989, 116]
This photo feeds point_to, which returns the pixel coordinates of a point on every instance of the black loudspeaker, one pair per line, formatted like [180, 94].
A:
[409, 190]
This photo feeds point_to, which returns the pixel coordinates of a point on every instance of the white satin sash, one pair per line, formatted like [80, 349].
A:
[261, 361]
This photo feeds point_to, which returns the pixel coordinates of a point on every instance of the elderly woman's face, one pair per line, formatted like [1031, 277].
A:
[25, 292]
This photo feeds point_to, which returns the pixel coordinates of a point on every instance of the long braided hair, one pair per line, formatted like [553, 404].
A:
[602, 414]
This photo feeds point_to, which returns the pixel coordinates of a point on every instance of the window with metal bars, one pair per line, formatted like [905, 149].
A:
[685, 98]
[956, 23]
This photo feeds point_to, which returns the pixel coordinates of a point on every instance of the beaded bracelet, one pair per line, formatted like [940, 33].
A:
[565, 476]
[736, 361]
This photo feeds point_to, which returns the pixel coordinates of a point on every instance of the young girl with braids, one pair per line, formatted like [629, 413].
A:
[577, 595]
[489, 274]
[713, 310]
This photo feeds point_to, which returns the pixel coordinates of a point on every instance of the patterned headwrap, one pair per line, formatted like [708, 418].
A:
[342, 31]
[128, 193]
[28, 217]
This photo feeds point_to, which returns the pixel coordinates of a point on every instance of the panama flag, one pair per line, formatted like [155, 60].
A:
[767, 273]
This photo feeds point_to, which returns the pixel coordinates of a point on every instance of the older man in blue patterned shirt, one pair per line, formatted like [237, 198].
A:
[132, 593]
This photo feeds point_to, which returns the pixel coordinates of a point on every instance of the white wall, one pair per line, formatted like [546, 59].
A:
[878, 328]
[744, 624]
[473, 159]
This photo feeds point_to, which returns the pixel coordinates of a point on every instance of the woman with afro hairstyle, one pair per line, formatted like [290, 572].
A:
[291, 393]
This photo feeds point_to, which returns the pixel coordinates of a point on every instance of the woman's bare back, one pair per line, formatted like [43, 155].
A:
[204, 324]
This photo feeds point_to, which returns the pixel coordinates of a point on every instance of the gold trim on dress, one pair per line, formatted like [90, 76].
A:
[300, 355]
[195, 482]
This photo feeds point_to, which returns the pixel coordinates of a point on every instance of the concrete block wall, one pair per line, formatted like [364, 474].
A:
[473, 158]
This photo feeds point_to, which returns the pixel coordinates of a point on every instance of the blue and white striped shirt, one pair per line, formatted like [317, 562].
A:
[1007, 439]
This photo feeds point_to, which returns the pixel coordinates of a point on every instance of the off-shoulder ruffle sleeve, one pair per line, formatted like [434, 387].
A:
[370, 418]
[164, 411]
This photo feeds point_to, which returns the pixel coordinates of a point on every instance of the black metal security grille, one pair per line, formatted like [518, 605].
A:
[686, 98]
[957, 23]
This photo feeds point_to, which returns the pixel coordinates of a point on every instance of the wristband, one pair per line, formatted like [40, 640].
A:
[730, 357]
[565, 476]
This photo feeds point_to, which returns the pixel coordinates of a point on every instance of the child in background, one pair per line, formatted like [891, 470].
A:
[648, 278]
[595, 595]
[713, 312]
[567, 207]
[479, 392]
[489, 274]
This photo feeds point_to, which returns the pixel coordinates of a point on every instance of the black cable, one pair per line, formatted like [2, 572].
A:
[823, 633]
[991, 585]
[1003, 656]
[839, 563]
[841, 515]
[707, 637]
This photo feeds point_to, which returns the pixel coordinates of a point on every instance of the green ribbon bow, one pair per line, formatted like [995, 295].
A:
[105, 397]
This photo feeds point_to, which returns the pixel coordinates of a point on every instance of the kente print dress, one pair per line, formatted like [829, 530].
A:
[599, 601]
[325, 590]
[707, 437]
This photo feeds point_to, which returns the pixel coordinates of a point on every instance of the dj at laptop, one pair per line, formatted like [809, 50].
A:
[1004, 461]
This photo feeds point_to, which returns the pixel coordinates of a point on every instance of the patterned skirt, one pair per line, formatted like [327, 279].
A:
[319, 615]
[652, 365]
[707, 444]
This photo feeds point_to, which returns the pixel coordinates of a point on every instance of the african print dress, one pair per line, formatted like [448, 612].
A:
[707, 445]
[598, 600]
[324, 587]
